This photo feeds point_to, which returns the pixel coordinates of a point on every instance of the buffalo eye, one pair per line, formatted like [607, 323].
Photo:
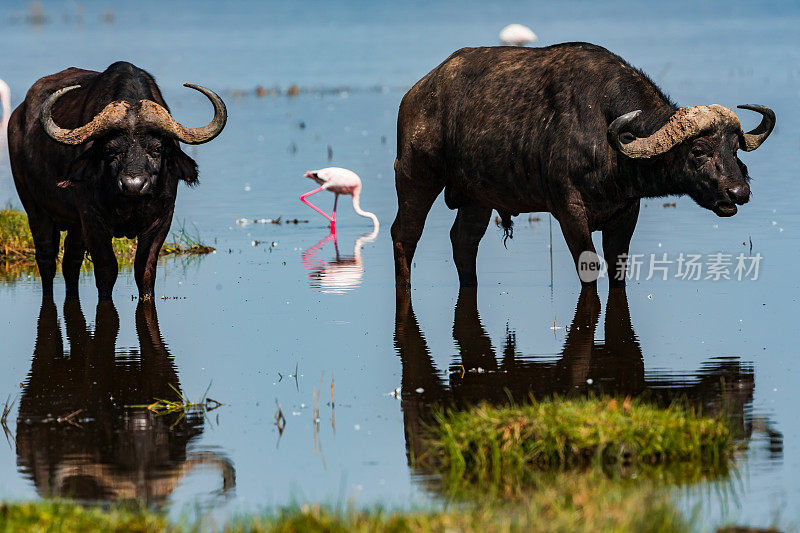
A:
[698, 152]
[154, 150]
[111, 152]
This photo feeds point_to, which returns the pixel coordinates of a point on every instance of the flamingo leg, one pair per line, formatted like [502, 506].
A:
[309, 255]
[331, 219]
[333, 222]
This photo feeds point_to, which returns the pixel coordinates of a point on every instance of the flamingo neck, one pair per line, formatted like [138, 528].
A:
[365, 214]
[361, 241]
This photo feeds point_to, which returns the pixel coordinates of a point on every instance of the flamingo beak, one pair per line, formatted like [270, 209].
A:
[310, 174]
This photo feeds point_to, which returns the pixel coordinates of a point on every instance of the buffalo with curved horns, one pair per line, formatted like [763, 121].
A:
[97, 154]
[571, 129]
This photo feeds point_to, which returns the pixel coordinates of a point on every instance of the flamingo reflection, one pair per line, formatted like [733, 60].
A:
[341, 275]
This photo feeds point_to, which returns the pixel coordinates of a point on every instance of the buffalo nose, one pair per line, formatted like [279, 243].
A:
[132, 185]
[739, 194]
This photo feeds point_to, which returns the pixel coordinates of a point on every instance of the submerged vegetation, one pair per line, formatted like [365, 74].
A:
[17, 249]
[182, 404]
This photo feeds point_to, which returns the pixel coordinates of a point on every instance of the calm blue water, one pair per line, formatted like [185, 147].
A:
[245, 318]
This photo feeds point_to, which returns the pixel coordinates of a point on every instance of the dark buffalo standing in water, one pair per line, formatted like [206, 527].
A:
[571, 129]
[97, 154]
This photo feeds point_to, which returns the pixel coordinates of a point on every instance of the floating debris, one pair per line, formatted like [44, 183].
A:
[669, 204]
[247, 221]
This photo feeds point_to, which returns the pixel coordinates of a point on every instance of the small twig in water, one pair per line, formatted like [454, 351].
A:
[280, 420]
[316, 420]
[66, 418]
[4, 420]
[333, 405]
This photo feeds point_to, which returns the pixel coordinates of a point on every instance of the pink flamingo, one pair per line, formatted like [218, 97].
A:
[338, 181]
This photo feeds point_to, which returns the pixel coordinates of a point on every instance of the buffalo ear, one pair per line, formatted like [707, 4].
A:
[181, 166]
[83, 168]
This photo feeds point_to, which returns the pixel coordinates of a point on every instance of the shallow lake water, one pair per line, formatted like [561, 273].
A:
[280, 316]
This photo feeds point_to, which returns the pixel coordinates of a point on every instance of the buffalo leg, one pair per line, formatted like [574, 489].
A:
[146, 262]
[46, 239]
[98, 241]
[616, 243]
[414, 200]
[474, 344]
[575, 227]
[74, 252]
[465, 235]
[576, 359]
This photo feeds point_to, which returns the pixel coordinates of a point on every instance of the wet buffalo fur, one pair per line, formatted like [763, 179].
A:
[77, 188]
[524, 130]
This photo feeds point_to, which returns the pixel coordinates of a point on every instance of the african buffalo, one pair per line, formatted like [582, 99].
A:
[571, 129]
[97, 154]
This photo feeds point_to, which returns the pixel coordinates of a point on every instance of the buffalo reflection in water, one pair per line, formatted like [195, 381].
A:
[107, 451]
[614, 366]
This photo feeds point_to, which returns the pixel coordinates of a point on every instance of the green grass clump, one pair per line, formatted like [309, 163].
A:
[61, 516]
[15, 236]
[17, 251]
[506, 444]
